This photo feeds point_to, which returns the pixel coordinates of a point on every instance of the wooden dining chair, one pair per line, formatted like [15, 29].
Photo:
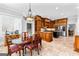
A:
[24, 38]
[33, 45]
[12, 48]
[39, 39]
[24, 35]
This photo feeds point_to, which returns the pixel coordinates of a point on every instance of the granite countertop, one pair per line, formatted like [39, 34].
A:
[47, 29]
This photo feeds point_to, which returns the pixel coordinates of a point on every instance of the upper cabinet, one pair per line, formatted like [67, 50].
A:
[62, 21]
[47, 23]
[52, 24]
[41, 22]
[38, 23]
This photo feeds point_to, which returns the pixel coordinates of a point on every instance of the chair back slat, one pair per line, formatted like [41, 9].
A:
[24, 35]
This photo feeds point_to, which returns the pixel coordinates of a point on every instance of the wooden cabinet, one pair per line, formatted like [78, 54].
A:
[76, 43]
[47, 23]
[42, 23]
[62, 21]
[52, 24]
[38, 24]
[46, 36]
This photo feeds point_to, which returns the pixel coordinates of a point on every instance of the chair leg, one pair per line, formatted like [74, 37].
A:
[9, 54]
[38, 50]
[23, 52]
[31, 52]
[41, 43]
[19, 53]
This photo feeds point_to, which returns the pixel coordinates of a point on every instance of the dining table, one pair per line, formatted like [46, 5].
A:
[20, 40]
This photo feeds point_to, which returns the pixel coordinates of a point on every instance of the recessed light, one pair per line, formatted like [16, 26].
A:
[57, 8]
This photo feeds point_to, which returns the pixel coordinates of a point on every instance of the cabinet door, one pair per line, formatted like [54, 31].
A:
[42, 23]
[38, 25]
[48, 37]
[47, 24]
[77, 42]
[43, 34]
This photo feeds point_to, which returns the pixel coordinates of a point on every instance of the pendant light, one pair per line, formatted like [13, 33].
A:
[29, 16]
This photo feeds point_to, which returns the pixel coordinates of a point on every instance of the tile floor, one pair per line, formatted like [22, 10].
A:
[58, 47]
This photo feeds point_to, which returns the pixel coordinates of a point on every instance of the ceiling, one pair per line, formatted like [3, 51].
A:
[50, 10]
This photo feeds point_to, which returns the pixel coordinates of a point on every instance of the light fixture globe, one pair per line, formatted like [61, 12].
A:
[29, 19]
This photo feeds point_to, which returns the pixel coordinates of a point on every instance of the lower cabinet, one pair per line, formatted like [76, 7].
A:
[76, 43]
[46, 36]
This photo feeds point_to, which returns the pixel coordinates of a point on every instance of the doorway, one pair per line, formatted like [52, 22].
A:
[29, 27]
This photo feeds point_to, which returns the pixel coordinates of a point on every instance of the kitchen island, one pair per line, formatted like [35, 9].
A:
[47, 36]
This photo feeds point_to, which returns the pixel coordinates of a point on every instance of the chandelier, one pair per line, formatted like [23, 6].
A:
[29, 16]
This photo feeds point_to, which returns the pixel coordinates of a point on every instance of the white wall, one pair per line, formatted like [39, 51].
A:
[77, 27]
[0, 25]
[7, 23]
[18, 24]
[23, 25]
[72, 19]
[10, 23]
